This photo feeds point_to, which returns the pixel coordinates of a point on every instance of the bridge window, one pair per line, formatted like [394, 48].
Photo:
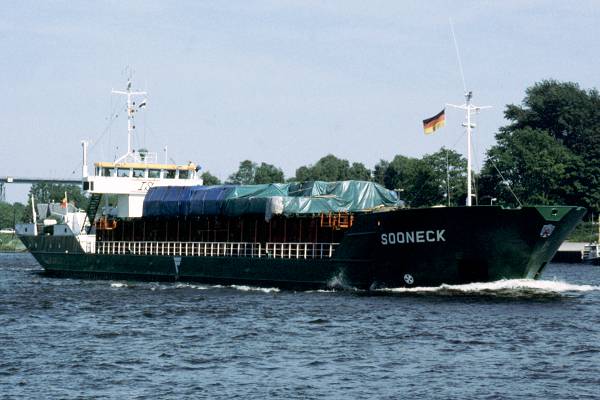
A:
[138, 173]
[123, 172]
[106, 171]
[170, 174]
[184, 174]
[154, 173]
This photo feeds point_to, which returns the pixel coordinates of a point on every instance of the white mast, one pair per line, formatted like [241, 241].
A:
[130, 118]
[470, 109]
[34, 216]
[84, 166]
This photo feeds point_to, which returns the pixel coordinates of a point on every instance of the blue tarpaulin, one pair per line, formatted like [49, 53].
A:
[268, 199]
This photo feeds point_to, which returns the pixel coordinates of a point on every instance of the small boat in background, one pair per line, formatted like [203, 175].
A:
[591, 251]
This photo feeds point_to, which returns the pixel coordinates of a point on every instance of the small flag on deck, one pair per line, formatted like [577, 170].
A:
[432, 124]
[64, 201]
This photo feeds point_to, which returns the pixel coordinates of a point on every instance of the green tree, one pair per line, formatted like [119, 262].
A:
[424, 182]
[449, 175]
[331, 168]
[20, 212]
[537, 168]
[47, 193]
[562, 109]
[11, 214]
[359, 172]
[328, 168]
[399, 174]
[250, 173]
[303, 174]
[210, 179]
[424, 190]
[267, 173]
[379, 172]
[244, 175]
[550, 151]
[411, 178]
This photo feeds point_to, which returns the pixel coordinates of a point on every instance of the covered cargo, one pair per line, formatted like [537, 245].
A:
[268, 199]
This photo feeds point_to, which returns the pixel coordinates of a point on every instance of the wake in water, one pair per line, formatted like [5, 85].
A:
[245, 288]
[154, 286]
[502, 288]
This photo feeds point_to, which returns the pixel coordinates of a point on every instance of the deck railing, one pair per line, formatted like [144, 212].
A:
[87, 242]
[219, 249]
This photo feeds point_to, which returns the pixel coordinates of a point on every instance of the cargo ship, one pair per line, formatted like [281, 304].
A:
[163, 225]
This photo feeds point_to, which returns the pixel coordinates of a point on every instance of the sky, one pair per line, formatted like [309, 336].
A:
[281, 82]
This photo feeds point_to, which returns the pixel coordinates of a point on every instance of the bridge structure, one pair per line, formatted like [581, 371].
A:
[30, 181]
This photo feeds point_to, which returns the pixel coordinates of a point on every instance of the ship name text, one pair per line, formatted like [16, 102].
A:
[429, 236]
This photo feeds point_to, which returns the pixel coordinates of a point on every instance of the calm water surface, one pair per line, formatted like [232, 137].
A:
[71, 338]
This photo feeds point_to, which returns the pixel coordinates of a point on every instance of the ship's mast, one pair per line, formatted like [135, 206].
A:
[470, 109]
[84, 165]
[130, 116]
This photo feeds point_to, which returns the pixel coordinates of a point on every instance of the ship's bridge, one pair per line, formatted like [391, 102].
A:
[130, 181]
[135, 178]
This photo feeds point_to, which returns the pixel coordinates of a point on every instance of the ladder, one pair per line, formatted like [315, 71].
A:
[92, 207]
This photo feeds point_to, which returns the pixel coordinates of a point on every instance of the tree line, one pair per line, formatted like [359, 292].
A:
[548, 153]
[433, 179]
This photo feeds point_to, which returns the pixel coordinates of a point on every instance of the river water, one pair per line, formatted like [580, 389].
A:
[71, 338]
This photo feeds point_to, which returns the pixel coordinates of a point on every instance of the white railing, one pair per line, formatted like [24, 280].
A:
[87, 242]
[300, 250]
[219, 249]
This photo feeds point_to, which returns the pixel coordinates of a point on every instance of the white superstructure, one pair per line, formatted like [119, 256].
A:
[133, 174]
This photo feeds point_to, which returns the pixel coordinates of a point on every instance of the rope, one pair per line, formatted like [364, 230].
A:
[506, 182]
[113, 117]
[460, 67]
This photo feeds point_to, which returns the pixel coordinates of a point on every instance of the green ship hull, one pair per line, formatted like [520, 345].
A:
[405, 247]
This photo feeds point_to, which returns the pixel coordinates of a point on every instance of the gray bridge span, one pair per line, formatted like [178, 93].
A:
[29, 181]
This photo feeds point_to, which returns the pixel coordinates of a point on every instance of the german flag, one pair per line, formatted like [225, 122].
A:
[432, 124]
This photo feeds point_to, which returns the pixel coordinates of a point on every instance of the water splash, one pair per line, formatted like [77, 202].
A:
[118, 285]
[321, 291]
[191, 286]
[340, 282]
[180, 285]
[245, 288]
[505, 287]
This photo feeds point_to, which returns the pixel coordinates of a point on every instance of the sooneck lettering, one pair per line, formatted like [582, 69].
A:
[428, 236]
